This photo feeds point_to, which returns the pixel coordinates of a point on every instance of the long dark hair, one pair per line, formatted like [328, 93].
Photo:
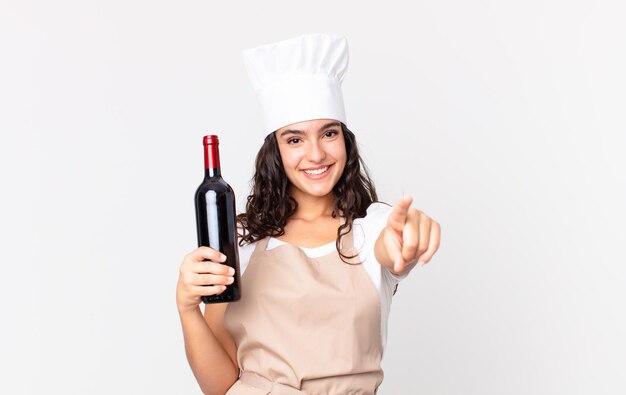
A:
[269, 205]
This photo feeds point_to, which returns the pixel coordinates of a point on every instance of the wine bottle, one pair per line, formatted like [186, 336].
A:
[216, 218]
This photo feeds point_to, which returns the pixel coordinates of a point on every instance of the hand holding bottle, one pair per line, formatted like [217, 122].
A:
[216, 217]
[199, 278]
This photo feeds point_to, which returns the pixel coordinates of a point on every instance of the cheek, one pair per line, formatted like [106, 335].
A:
[341, 159]
[340, 154]
[290, 160]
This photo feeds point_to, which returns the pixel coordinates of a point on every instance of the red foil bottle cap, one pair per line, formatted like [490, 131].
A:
[211, 139]
[211, 152]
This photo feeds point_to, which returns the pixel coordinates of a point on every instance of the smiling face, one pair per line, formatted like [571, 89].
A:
[313, 155]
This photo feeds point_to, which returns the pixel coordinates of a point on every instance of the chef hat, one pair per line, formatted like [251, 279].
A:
[298, 79]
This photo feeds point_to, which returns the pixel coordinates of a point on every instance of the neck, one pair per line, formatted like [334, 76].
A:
[313, 207]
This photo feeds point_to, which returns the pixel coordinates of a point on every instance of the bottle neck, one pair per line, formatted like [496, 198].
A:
[211, 158]
[212, 172]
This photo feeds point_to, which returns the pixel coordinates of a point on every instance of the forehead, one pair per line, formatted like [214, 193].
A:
[309, 126]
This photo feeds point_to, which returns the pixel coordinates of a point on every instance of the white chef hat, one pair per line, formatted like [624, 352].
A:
[299, 79]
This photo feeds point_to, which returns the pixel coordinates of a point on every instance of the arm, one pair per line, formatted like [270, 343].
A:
[409, 237]
[209, 348]
[211, 364]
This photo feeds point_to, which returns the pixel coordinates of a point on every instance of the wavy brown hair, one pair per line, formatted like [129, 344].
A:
[269, 205]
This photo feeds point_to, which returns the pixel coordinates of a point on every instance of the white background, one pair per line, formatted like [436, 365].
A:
[504, 120]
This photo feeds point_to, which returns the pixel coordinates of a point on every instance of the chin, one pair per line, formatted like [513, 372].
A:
[322, 193]
[317, 192]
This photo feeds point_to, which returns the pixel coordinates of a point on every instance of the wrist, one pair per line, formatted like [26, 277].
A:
[189, 310]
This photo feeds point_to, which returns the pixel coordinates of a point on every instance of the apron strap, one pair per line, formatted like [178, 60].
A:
[261, 245]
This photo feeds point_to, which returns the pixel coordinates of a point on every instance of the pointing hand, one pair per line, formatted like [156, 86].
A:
[410, 236]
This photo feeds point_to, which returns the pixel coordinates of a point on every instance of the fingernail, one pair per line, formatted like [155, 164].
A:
[223, 257]
[231, 280]
[231, 271]
[421, 262]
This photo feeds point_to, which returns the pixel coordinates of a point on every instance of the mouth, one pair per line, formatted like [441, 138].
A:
[317, 173]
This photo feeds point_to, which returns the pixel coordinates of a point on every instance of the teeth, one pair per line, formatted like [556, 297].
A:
[316, 172]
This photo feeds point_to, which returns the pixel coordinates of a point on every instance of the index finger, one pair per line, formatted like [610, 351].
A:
[397, 217]
[206, 253]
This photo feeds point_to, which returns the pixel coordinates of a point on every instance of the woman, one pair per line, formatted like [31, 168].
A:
[321, 257]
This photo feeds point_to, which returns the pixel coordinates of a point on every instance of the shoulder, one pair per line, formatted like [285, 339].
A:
[367, 229]
[375, 217]
[378, 209]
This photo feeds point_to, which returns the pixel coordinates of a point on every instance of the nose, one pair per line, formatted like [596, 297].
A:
[316, 153]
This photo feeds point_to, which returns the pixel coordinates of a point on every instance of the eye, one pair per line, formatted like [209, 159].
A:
[331, 133]
[293, 141]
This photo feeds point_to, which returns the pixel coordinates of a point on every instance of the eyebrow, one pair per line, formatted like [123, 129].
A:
[300, 132]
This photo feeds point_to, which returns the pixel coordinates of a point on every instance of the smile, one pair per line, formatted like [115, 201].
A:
[317, 173]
